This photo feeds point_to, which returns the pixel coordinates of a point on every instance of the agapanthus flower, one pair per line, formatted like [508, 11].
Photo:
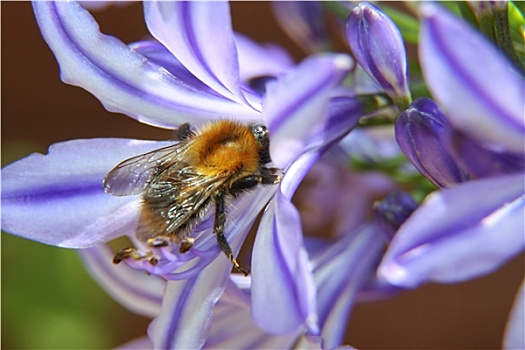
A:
[474, 226]
[343, 269]
[183, 76]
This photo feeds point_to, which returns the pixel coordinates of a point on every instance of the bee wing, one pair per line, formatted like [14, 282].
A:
[134, 174]
[192, 192]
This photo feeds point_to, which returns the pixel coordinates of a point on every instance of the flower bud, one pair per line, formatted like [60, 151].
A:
[378, 47]
[393, 210]
[421, 132]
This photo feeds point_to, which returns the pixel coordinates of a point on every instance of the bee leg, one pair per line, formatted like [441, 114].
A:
[268, 176]
[184, 132]
[186, 244]
[245, 183]
[218, 228]
[127, 253]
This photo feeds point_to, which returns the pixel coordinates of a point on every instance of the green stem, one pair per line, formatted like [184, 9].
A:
[504, 40]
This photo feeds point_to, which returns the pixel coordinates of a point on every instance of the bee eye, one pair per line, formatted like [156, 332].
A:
[260, 132]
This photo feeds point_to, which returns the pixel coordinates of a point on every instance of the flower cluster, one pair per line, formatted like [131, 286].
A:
[350, 215]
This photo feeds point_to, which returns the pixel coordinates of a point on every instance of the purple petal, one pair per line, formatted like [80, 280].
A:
[295, 107]
[123, 80]
[343, 115]
[422, 133]
[200, 35]
[515, 331]
[304, 22]
[483, 162]
[371, 145]
[233, 327]
[378, 46]
[142, 343]
[459, 233]
[187, 308]
[477, 87]
[188, 304]
[279, 259]
[58, 198]
[335, 201]
[340, 271]
[159, 54]
[256, 60]
[135, 290]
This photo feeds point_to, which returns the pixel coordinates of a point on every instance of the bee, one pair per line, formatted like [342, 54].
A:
[180, 183]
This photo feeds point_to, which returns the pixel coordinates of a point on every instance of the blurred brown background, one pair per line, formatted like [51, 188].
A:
[48, 301]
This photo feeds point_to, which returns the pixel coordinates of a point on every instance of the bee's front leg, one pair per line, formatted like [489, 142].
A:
[266, 177]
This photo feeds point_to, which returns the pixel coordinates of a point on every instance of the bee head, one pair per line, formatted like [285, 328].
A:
[262, 136]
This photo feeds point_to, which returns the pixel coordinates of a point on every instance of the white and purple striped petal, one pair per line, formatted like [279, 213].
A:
[200, 35]
[58, 198]
[159, 54]
[478, 88]
[295, 107]
[122, 79]
[279, 259]
[233, 327]
[340, 271]
[187, 309]
[459, 233]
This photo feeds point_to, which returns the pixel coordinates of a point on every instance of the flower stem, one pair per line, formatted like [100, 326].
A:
[504, 41]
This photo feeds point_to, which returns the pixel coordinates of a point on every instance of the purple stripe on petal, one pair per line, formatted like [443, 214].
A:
[58, 198]
[159, 54]
[477, 87]
[295, 106]
[199, 34]
[187, 309]
[279, 255]
[459, 233]
[233, 327]
[279, 260]
[123, 80]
